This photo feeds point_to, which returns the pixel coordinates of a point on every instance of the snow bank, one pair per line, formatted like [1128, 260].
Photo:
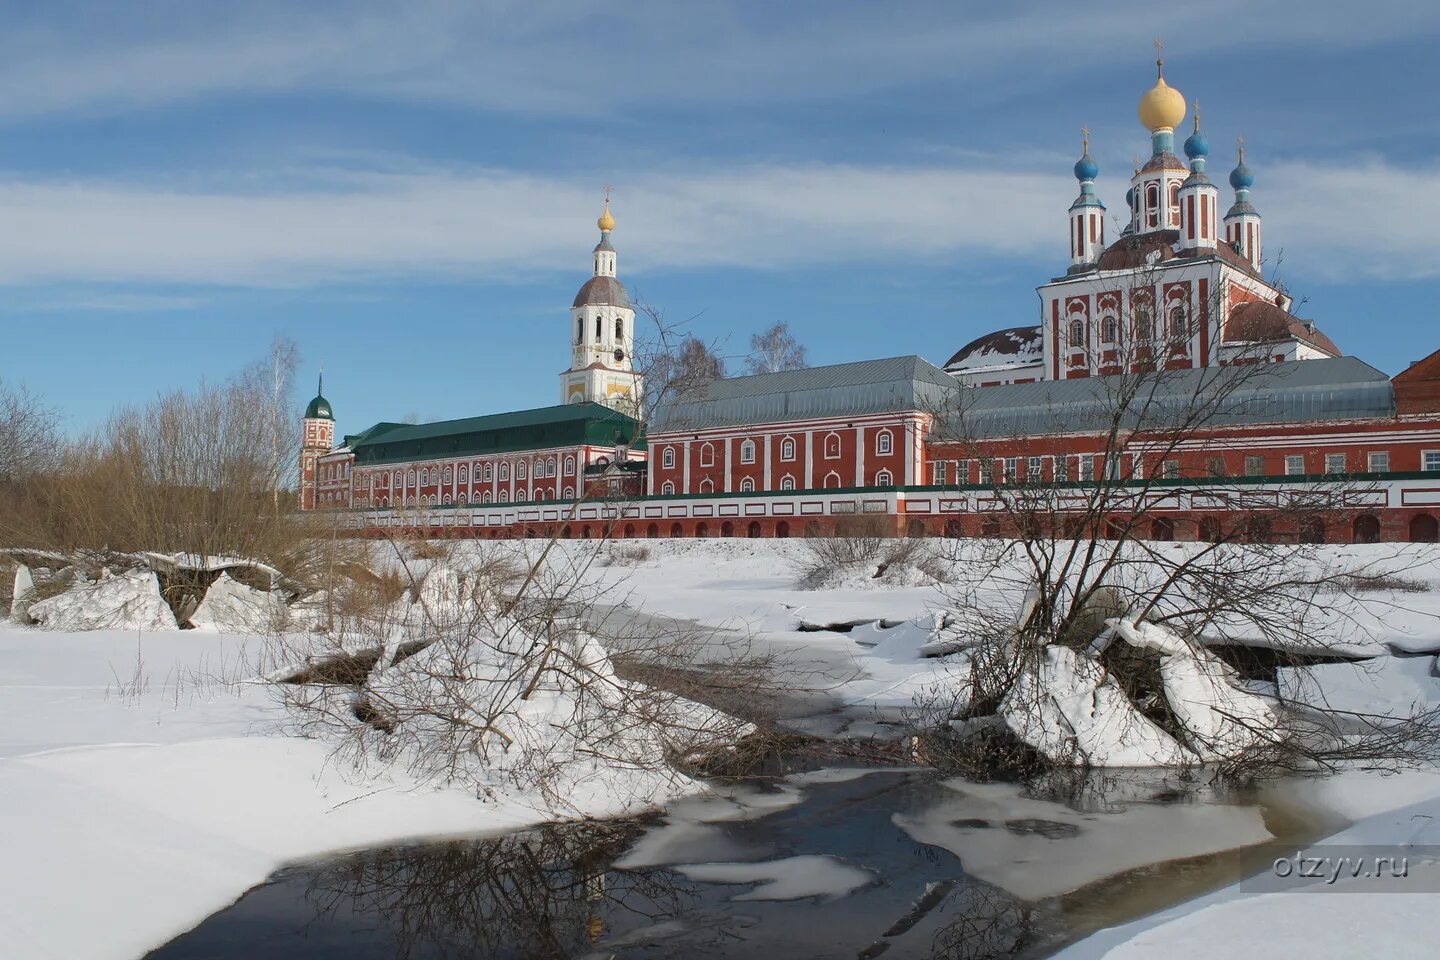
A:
[20, 595]
[1220, 719]
[231, 607]
[1072, 712]
[130, 601]
[1385, 686]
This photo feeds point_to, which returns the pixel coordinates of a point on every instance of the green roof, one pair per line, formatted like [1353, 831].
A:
[563, 425]
[319, 409]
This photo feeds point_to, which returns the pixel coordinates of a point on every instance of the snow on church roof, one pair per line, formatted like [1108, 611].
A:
[1009, 347]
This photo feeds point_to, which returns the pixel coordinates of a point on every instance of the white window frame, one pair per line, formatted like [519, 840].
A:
[747, 485]
[667, 458]
[787, 449]
[884, 443]
[1293, 461]
[884, 479]
[1377, 461]
[667, 488]
[1427, 464]
[787, 482]
[825, 446]
[707, 454]
[1336, 463]
[747, 451]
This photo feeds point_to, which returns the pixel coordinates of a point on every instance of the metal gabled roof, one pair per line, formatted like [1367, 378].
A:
[844, 389]
[1339, 388]
[572, 423]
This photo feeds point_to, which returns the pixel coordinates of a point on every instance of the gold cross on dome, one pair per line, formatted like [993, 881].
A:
[1240, 145]
[1160, 57]
[608, 190]
[1085, 135]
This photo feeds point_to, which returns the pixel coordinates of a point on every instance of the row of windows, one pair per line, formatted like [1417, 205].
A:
[465, 499]
[1144, 329]
[830, 450]
[484, 472]
[1084, 467]
[599, 329]
[747, 484]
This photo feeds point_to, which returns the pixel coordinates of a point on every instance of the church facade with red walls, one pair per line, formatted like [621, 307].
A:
[1179, 299]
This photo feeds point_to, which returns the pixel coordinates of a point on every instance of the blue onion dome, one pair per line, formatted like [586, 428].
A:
[1086, 168]
[1196, 146]
[1130, 197]
[1241, 178]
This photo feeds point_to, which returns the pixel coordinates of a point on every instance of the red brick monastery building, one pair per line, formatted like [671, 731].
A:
[1176, 301]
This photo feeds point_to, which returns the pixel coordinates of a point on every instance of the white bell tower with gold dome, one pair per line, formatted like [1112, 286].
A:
[602, 334]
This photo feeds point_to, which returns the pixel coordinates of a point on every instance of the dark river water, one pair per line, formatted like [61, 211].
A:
[843, 849]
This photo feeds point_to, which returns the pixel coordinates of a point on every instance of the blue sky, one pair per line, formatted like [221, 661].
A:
[409, 189]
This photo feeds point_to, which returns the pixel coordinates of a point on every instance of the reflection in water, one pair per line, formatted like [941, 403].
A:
[557, 892]
[545, 893]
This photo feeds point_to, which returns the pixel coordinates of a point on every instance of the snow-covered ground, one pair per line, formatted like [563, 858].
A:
[142, 787]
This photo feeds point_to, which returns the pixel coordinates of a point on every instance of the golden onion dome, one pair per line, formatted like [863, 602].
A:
[1162, 105]
[607, 220]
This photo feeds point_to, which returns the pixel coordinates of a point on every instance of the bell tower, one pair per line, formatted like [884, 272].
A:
[317, 436]
[602, 334]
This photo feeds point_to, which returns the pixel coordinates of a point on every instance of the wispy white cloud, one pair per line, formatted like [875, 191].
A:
[578, 58]
[1369, 220]
[112, 302]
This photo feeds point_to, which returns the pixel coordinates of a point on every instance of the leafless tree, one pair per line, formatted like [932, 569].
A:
[29, 439]
[673, 361]
[1077, 511]
[775, 350]
[499, 665]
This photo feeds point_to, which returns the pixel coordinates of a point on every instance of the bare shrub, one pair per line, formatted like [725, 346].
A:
[628, 554]
[866, 546]
[509, 679]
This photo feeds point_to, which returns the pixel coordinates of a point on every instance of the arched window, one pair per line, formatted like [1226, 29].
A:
[706, 486]
[505, 471]
[598, 327]
[424, 476]
[667, 459]
[449, 475]
[707, 454]
[832, 446]
[832, 480]
[787, 482]
[1179, 322]
[464, 474]
[884, 443]
[550, 467]
[884, 479]
[1152, 204]
[1174, 203]
[787, 448]
[504, 496]
[667, 488]
[619, 329]
[569, 466]
[569, 493]
[487, 471]
[579, 329]
[519, 496]
[1144, 325]
[485, 496]
[397, 478]
[1077, 332]
[601, 461]
[747, 451]
[520, 469]
[747, 485]
[1108, 329]
[539, 467]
